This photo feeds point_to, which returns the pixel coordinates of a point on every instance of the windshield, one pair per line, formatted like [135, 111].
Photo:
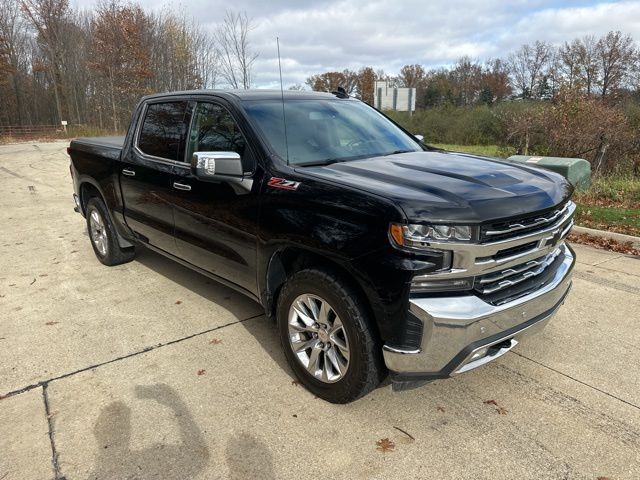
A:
[325, 131]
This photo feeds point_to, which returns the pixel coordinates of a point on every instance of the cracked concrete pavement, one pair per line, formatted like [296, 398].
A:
[149, 370]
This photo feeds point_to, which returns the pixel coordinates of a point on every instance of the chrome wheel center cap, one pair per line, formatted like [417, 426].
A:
[323, 335]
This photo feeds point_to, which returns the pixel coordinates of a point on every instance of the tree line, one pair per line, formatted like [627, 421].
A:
[60, 64]
[578, 99]
[606, 67]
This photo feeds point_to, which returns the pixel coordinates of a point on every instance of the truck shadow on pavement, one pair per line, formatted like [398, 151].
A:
[116, 459]
[246, 456]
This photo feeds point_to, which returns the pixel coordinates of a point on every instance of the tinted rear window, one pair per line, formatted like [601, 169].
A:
[164, 130]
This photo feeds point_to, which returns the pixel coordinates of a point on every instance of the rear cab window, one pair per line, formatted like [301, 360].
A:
[163, 132]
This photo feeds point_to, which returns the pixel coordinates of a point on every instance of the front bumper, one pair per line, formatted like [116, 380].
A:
[461, 333]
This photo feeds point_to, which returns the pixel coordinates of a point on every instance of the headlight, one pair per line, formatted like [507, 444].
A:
[420, 236]
[423, 283]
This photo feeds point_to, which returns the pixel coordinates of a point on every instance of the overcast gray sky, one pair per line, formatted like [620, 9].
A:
[316, 36]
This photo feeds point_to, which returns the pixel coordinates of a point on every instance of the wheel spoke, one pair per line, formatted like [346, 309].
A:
[326, 374]
[314, 360]
[303, 345]
[337, 363]
[313, 307]
[302, 314]
[323, 314]
[302, 327]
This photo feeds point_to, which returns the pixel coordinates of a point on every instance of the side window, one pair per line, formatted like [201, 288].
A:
[164, 130]
[215, 130]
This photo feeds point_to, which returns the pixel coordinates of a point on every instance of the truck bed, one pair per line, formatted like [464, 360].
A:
[109, 147]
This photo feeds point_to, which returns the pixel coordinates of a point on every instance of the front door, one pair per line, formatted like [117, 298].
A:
[216, 222]
[146, 172]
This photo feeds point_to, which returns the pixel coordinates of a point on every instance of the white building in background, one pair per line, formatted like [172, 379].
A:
[391, 98]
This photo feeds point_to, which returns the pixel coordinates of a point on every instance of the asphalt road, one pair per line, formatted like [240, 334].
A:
[149, 370]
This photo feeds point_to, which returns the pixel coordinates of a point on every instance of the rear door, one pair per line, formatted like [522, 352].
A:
[216, 222]
[146, 173]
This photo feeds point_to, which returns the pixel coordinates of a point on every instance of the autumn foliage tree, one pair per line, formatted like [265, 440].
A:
[121, 55]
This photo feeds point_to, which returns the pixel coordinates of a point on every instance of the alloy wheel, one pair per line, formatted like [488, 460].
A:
[318, 338]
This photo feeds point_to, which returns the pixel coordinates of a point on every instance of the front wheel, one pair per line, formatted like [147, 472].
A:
[103, 235]
[327, 337]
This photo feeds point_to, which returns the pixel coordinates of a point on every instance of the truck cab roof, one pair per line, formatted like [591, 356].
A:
[257, 94]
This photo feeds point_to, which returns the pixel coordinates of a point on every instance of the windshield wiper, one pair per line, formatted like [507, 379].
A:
[398, 151]
[319, 163]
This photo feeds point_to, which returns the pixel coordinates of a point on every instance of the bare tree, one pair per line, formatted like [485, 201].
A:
[234, 50]
[587, 62]
[528, 67]
[13, 52]
[568, 63]
[47, 17]
[615, 55]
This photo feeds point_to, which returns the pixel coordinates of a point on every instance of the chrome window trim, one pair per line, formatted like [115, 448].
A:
[136, 137]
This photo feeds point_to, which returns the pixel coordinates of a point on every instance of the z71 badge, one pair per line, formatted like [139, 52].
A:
[276, 182]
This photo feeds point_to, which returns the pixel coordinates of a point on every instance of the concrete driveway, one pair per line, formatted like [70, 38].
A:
[149, 370]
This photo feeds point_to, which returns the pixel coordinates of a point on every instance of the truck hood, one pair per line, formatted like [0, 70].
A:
[451, 187]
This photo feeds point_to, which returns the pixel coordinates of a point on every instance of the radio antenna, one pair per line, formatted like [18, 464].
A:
[284, 118]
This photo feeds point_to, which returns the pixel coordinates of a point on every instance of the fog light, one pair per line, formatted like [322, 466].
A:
[479, 354]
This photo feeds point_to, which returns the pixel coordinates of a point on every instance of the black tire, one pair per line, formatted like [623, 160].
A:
[112, 253]
[365, 368]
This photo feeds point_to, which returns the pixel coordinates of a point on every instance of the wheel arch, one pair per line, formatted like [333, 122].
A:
[286, 261]
[87, 190]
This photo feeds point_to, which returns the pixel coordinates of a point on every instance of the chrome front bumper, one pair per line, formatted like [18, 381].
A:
[464, 332]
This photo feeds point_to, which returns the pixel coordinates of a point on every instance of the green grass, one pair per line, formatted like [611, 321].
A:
[484, 150]
[621, 220]
[622, 191]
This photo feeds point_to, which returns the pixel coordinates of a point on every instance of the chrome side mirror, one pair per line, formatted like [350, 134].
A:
[216, 165]
[420, 138]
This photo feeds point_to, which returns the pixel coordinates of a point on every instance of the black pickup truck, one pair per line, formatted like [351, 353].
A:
[374, 253]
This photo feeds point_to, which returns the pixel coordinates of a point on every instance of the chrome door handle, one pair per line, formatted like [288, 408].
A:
[128, 173]
[181, 186]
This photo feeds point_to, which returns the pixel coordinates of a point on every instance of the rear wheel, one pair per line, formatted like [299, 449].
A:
[103, 235]
[327, 337]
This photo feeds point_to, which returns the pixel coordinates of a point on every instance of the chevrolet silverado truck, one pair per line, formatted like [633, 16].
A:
[374, 253]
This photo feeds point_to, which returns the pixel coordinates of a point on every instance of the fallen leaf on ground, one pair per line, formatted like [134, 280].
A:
[499, 409]
[202, 372]
[440, 409]
[604, 243]
[51, 323]
[215, 341]
[385, 445]
[178, 302]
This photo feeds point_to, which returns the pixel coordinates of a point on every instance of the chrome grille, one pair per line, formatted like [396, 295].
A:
[496, 281]
[499, 231]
